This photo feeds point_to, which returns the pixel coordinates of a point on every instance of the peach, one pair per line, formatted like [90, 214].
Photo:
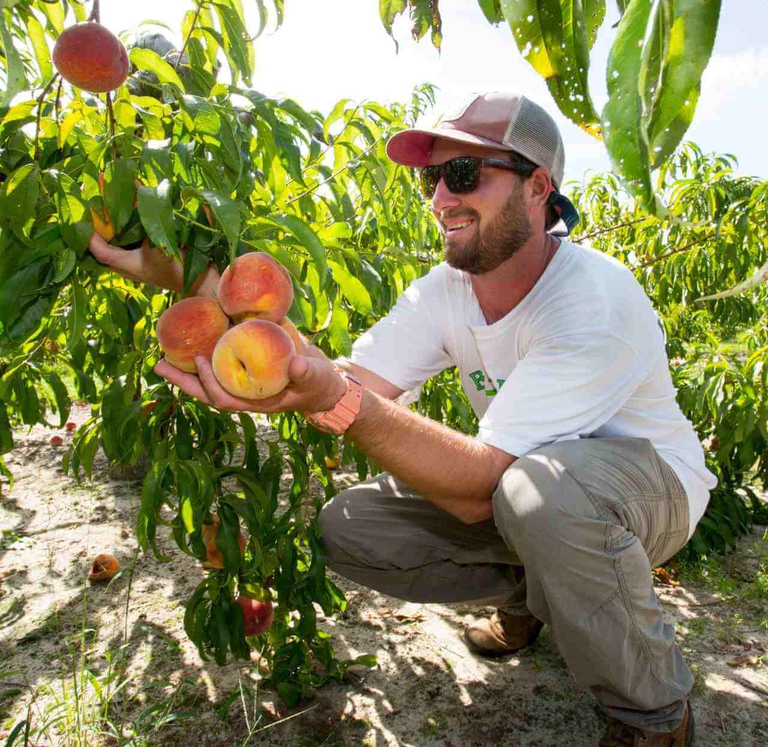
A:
[104, 566]
[56, 441]
[258, 616]
[71, 426]
[189, 328]
[91, 57]
[299, 341]
[209, 532]
[255, 286]
[251, 359]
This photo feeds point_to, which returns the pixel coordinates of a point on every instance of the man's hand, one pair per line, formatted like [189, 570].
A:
[314, 387]
[148, 265]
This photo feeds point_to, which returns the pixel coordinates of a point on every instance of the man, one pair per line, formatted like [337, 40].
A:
[584, 474]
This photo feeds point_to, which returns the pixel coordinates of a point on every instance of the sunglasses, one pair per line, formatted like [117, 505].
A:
[462, 174]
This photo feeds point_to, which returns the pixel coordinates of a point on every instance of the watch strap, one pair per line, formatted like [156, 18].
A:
[343, 413]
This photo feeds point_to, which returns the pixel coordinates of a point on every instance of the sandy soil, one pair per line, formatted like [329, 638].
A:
[427, 689]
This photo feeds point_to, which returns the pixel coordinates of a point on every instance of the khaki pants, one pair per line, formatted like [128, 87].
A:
[577, 527]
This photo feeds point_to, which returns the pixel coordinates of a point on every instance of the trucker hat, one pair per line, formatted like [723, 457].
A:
[504, 121]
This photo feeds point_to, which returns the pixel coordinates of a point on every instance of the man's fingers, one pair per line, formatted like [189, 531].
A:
[122, 260]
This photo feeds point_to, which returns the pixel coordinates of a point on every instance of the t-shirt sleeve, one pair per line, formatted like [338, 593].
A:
[406, 346]
[564, 387]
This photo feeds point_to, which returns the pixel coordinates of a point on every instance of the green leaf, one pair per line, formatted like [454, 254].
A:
[19, 198]
[664, 143]
[236, 42]
[15, 79]
[307, 238]
[228, 214]
[352, 288]
[622, 116]
[6, 432]
[40, 47]
[120, 191]
[146, 59]
[338, 331]
[152, 498]
[552, 36]
[492, 10]
[594, 15]
[388, 10]
[156, 212]
[205, 119]
[77, 316]
[63, 401]
[227, 538]
[691, 38]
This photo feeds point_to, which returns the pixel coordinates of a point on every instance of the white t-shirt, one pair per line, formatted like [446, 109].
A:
[581, 355]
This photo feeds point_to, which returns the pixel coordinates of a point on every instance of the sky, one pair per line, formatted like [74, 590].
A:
[332, 49]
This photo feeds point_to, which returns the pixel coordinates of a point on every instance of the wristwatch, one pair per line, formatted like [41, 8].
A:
[343, 413]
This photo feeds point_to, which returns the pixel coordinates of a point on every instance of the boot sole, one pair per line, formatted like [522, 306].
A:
[491, 653]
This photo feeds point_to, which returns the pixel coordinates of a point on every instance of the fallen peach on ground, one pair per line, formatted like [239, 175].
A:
[104, 567]
[190, 328]
[255, 286]
[251, 360]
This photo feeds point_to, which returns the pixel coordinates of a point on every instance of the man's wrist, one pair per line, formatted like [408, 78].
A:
[342, 410]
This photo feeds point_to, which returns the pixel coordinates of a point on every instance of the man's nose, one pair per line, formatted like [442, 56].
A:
[443, 198]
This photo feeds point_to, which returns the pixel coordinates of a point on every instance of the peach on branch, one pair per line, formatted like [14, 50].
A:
[209, 532]
[255, 286]
[258, 615]
[251, 359]
[89, 56]
[189, 328]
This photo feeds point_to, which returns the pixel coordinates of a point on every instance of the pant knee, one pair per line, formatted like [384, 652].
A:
[522, 495]
[333, 524]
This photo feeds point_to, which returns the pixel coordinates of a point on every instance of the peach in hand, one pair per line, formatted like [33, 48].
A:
[251, 360]
[255, 286]
[299, 341]
[190, 328]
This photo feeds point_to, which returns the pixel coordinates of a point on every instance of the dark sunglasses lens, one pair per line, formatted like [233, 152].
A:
[461, 174]
[430, 176]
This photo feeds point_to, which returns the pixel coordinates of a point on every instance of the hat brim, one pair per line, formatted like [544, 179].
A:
[414, 147]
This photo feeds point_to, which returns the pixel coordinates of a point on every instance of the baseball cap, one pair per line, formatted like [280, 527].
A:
[503, 121]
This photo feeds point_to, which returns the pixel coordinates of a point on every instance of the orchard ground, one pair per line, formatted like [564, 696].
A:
[427, 689]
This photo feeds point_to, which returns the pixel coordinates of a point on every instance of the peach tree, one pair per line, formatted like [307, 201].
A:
[187, 156]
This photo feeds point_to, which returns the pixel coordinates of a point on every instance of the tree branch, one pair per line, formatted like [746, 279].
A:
[40, 113]
[677, 251]
[95, 13]
[189, 34]
[612, 228]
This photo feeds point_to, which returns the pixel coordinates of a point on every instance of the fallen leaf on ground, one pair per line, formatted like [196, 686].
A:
[745, 660]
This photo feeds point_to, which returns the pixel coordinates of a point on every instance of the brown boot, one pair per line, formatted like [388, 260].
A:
[502, 634]
[619, 734]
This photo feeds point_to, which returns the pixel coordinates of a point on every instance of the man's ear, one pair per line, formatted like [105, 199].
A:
[540, 186]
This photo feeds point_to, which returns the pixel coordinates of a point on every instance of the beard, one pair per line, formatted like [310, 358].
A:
[496, 243]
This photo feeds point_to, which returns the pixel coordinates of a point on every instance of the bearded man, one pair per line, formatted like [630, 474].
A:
[584, 473]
